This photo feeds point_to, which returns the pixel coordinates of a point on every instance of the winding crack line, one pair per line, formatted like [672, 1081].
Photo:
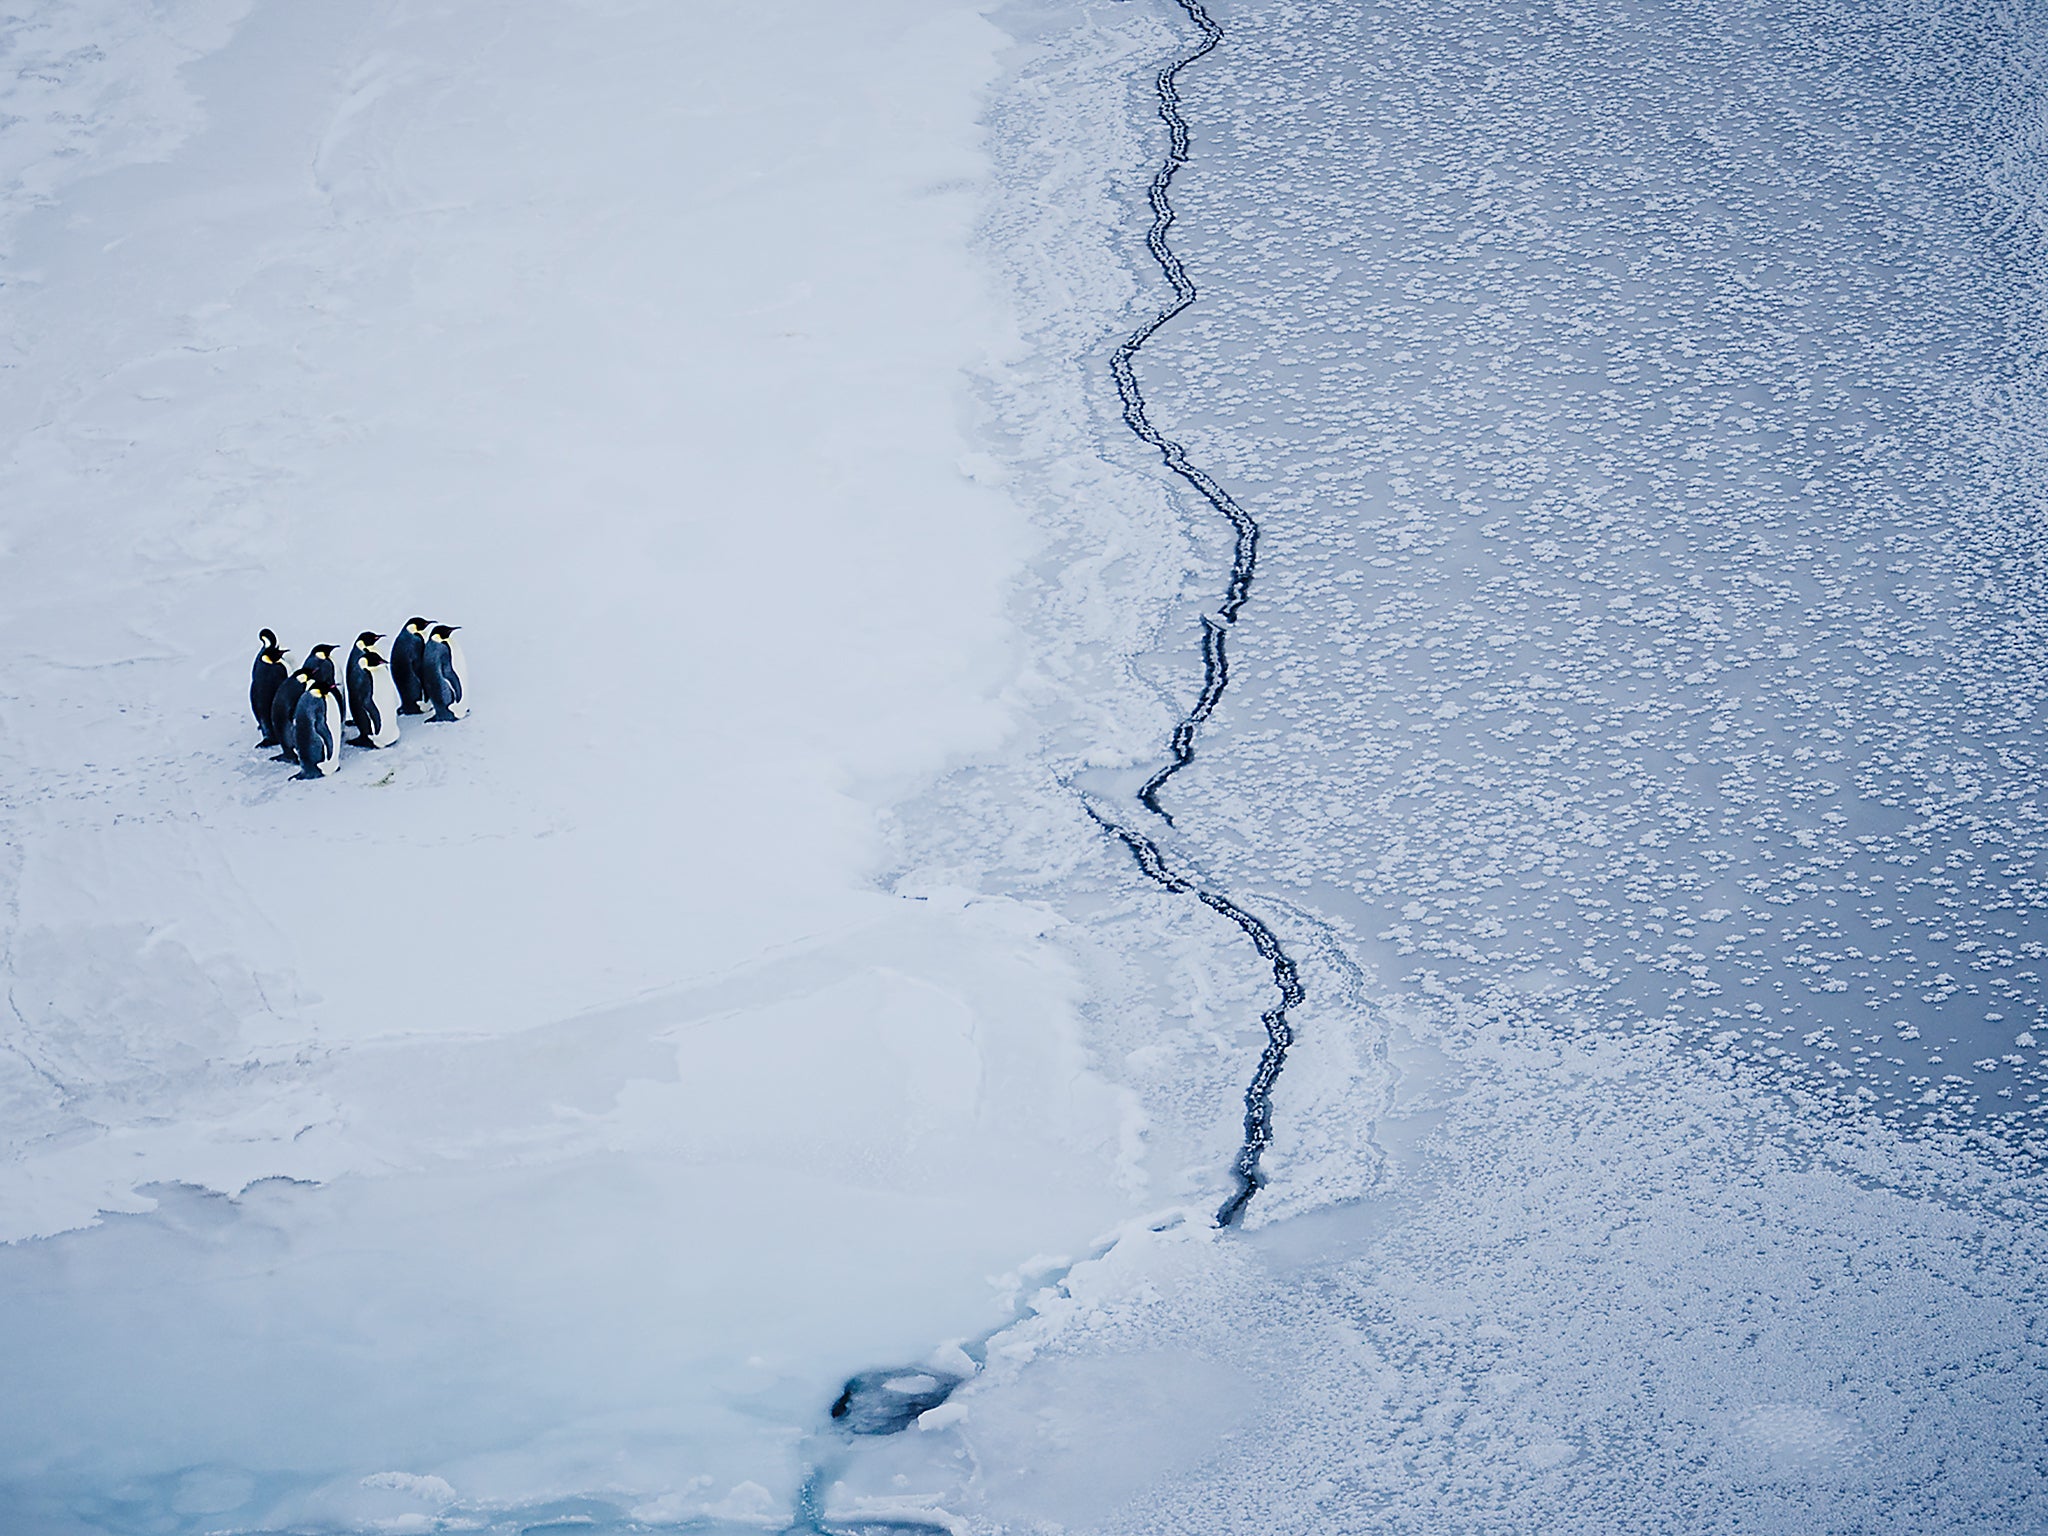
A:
[1245, 557]
[1258, 1095]
[1258, 1098]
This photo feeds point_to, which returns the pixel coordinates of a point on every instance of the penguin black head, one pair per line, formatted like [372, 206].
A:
[303, 676]
[416, 625]
[373, 660]
[271, 655]
[443, 631]
[322, 651]
[269, 640]
[368, 638]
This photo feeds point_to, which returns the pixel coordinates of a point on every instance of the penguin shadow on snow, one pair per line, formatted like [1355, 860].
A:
[305, 711]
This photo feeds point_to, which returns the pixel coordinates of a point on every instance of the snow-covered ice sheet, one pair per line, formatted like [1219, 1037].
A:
[552, 1104]
[1611, 1297]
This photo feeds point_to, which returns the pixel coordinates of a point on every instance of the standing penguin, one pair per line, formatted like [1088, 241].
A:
[445, 668]
[359, 677]
[284, 705]
[316, 730]
[376, 711]
[320, 662]
[409, 666]
[270, 669]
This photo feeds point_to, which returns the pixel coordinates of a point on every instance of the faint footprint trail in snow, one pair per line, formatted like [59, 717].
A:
[1258, 1097]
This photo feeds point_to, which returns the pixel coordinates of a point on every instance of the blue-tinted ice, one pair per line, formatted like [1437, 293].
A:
[1641, 408]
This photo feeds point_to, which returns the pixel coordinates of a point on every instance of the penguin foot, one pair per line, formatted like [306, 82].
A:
[362, 741]
[282, 757]
[309, 773]
[442, 717]
[411, 709]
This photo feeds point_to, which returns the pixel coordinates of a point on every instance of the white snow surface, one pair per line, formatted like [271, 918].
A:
[540, 1119]
[587, 1107]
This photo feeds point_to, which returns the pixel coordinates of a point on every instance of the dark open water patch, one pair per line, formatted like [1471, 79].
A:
[884, 1402]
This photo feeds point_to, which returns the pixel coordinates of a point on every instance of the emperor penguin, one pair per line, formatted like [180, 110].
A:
[316, 730]
[376, 711]
[409, 666]
[320, 662]
[445, 669]
[271, 668]
[358, 692]
[284, 705]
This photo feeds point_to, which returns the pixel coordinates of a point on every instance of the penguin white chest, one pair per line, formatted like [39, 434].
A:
[385, 701]
[458, 672]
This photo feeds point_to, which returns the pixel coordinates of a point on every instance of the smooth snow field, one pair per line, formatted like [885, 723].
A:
[1612, 806]
[588, 1111]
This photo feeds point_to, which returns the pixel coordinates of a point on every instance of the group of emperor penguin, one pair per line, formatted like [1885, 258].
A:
[300, 710]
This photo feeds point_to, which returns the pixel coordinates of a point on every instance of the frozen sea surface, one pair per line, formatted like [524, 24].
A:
[1633, 731]
[1641, 406]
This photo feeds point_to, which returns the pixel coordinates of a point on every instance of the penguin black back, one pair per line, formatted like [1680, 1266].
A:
[376, 714]
[265, 675]
[316, 730]
[359, 675]
[445, 668]
[284, 706]
[409, 665]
